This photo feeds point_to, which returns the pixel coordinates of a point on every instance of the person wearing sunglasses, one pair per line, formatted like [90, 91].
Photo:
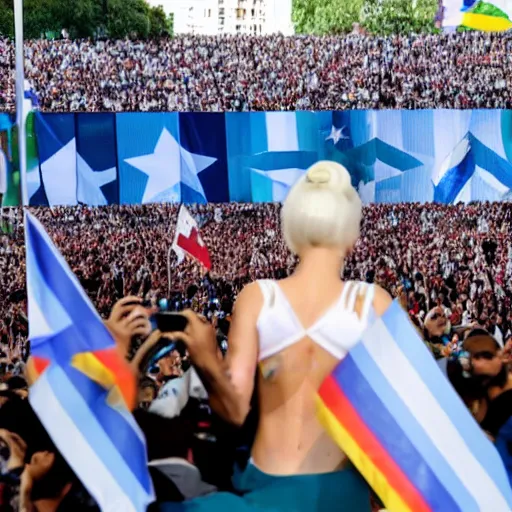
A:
[437, 331]
[491, 372]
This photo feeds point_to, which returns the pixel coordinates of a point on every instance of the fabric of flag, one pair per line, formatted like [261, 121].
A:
[209, 152]
[269, 151]
[78, 160]
[36, 193]
[490, 16]
[31, 101]
[398, 419]
[30, 104]
[57, 156]
[96, 166]
[444, 156]
[187, 239]
[9, 176]
[81, 387]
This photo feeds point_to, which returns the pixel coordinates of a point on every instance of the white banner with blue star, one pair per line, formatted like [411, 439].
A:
[393, 156]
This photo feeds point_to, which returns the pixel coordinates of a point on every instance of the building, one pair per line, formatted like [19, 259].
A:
[217, 17]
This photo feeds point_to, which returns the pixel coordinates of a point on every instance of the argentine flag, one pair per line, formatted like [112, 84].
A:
[394, 414]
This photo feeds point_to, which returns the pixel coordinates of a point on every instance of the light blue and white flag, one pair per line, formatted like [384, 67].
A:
[398, 419]
[80, 384]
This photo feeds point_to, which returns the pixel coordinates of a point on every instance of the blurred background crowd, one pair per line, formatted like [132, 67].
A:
[468, 70]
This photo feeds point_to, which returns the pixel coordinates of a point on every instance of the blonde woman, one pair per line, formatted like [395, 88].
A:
[293, 332]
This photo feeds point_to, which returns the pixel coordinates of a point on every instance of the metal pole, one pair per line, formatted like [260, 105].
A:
[169, 269]
[20, 97]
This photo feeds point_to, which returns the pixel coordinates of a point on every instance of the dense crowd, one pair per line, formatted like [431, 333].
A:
[206, 73]
[450, 266]
[7, 84]
[457, 257]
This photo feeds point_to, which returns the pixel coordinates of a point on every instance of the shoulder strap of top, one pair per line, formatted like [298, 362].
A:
[345, 294]
[369, 291]
[267, 289]
[360, 290]
[352, 297]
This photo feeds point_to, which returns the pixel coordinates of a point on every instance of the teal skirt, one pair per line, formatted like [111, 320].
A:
[342, 491]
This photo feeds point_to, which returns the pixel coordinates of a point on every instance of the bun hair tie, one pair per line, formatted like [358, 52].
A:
[318, 175]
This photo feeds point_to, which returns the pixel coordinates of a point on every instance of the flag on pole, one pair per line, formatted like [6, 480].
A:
[398, 419]
[486, 16]
[187, 239]
[81, 386]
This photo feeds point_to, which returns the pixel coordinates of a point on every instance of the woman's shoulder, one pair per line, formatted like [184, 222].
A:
[251, 296]
[381, 300]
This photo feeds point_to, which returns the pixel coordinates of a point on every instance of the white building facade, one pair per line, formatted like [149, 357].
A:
[218, 17]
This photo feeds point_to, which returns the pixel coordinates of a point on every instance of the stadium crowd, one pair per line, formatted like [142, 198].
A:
[456, 257]
[466, 70]
[7, 86]
[450, 266]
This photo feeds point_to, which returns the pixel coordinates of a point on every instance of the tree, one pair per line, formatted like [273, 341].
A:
[170, 24]
[159, 22]
[81, 18]
[87, 18]
[128, 18]
[6, 18]
[322, 17]
[382, 17]
[386, 17]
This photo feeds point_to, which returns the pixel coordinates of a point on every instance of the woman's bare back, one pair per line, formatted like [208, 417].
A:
[290, 439]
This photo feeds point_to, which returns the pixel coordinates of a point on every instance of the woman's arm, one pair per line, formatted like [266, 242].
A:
[229, 383]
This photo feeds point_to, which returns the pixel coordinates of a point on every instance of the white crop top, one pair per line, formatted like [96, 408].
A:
[337, 331]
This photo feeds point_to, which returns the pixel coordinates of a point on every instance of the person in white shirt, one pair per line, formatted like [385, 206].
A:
[174, 395]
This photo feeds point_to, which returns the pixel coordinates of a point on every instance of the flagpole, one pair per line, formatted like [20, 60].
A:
[20, 97]
[169, 269]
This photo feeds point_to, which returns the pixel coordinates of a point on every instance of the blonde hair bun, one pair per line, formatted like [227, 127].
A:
[330, 173]
[322, 209]
[319, 174]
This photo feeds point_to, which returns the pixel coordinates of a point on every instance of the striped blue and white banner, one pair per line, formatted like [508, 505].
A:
[78, 392]
[402, 424]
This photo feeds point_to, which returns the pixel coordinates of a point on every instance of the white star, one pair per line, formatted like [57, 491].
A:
[337, 135]
[90, 183]
[168, 167]
[59, 176]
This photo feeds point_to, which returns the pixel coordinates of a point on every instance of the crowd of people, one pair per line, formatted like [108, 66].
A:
[7, 84]
[456, 257]
[466, 70]
[450, 267]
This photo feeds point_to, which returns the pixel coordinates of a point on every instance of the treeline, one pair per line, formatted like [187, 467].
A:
[378, 17]
[87, 18]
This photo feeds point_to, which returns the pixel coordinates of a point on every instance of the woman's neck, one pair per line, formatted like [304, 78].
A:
[320, 265]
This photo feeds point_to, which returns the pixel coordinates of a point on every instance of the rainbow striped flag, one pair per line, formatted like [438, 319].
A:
[395, 415]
